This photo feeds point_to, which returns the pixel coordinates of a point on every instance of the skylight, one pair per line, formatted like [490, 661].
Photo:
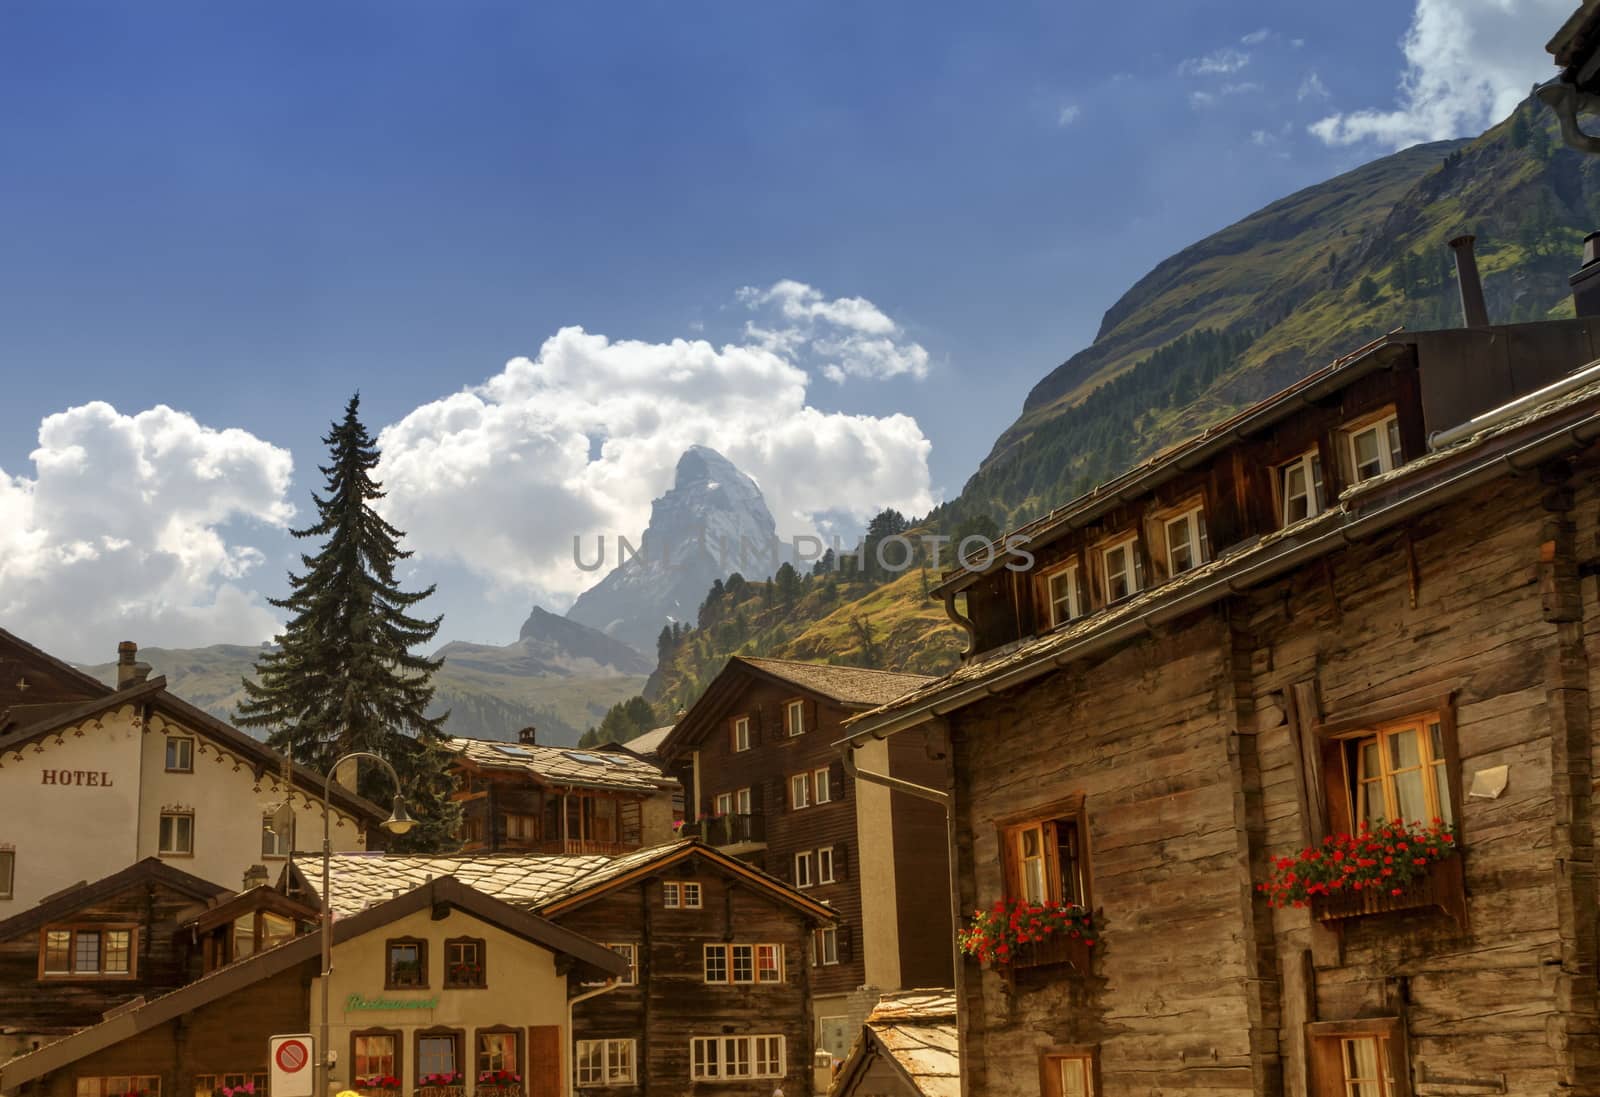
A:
[514, 750]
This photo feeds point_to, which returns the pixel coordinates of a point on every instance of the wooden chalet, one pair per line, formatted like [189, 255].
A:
[768, 785]
[543, 799]
[906, 1048]
[718, 994]
[1366, 599]
[91, 948]
[405, 1005]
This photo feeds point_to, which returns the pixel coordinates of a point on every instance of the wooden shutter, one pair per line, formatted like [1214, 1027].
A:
[809, 707]
[544, 1061]
[755, 729]
[756, 798]
[847, 951]
[1012, 872]
[1327, 1070]
[836, 779]
[841, 862]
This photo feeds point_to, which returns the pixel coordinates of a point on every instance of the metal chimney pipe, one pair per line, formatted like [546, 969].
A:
[1473, 310]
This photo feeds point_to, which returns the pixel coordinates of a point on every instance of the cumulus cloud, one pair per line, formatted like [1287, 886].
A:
[1222, 62]
[843, 337]
[1068, 114]
[1468, 63]
[578, 439]
[122, 532]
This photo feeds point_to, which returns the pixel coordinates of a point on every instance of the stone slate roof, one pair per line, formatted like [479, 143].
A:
[916, 1031]
[847, 685]
[649, 742]
[565, 766]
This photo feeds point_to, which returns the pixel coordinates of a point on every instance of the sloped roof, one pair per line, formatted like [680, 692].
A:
[565, 766]
[914, 1031]
[272, 961]
[151, 870]
[649, 742]
[538, 882]
[847, 685]
[91, 686]
[1562, 424]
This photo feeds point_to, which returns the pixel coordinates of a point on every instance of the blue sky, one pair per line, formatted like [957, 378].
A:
[246, 212]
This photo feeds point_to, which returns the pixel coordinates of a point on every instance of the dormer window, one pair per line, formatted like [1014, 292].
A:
[1187, 548]
[1374, 448]
[1061, 589]
[794, 717]
[1300, 488]
[1124, 574]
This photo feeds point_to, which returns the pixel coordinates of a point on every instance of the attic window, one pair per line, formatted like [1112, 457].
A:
[1123, 571]
[1300, 488]
[1374, 447]
[794, 717]
[1061, 591]
[1187, 548]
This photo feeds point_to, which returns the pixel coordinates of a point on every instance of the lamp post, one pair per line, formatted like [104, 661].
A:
[399, 822]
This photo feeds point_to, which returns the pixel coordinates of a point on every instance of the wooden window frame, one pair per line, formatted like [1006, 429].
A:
[459, 1035]
[1074, 599]
[8, 873]
[606, 1080]
[1379, 420]
[422, 963]
[819, 950]
[1193, 518]
[806, 878]
[743, 801]
[829, 878]
[720, 951]
[799, 786]
[153, 1089]
[1071, 808]
[1338, 804]
[631, 979]
[394, 1034]
[101, 975]
[790, 707]
[161, 850]
[528, 828]
[776, 951]
[519, 1055]
[1050, 1071]
[1103, 551]
[1310, 464]
[821, 779]
[723, 1057]
[167, 765]
[692, 887]
[266, 828]
[482, 982]
[723, 804]
[1324, 1054]
[741, 742]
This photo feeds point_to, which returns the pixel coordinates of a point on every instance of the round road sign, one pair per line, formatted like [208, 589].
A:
[292, 1056]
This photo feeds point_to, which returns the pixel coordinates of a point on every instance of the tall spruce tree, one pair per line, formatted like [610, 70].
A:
[344, 676]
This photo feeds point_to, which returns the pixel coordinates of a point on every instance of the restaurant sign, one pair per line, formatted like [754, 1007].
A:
[362, 1002]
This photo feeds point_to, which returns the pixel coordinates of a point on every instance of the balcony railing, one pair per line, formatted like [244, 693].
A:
[733, 830]
[1442, 886]
[569, 845]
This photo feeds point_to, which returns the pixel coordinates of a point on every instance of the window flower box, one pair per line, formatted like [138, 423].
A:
[1393, 867]
[499, 1083]
[1014, 935]
[378, 1085]
[441, 1085]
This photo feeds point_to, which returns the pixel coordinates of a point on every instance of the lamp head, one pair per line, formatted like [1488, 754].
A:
[400, 820]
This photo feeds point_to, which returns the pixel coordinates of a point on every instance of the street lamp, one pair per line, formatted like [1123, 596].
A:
[399, 822]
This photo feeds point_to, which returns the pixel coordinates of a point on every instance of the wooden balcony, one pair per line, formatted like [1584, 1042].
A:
[1057, 950]
[744, 831]
[1443, 886]
[569, 845]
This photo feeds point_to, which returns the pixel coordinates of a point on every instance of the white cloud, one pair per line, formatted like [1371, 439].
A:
[1201, 100]
[1069, 114]
[1256, 37]
[1312, 88]
[1468, 63]
[1220, 62]
[502, 476]
[844, 337]
[121, 532]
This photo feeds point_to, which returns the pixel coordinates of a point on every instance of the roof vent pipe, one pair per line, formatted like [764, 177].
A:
[1473, 310]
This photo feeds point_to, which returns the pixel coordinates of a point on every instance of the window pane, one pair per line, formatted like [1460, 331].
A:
[1365, 445]
[86, 952]
[1404, 750]
[1413, 805]
[117, 946]
[58, 951]
[1075, 1078]
[436, 1055]
[1394, 443]
[1361, 1067]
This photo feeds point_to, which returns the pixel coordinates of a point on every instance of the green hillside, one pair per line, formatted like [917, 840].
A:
[1218, 326]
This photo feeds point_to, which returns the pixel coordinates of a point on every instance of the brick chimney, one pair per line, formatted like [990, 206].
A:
[528, 735]
[130, 672]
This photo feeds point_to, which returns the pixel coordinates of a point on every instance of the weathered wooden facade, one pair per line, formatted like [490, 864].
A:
[719, 990]
[1337, 606]
[512, 1015]
[906, 1048]
[769, 786]
[541, 799]
[68, 961]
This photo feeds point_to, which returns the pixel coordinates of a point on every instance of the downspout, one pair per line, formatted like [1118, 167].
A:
[572, 1030]
[946, 800]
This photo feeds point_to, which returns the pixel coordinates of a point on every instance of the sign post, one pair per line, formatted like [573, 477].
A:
[290, 1061]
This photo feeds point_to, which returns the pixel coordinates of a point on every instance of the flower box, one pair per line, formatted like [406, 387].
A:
[1394, 866]
[1062, 949]
[1442, 885]
[441, 1091]
[1013, 935]
[499, 1089]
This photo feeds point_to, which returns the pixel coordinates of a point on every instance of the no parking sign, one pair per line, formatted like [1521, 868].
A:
[290, 1061]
